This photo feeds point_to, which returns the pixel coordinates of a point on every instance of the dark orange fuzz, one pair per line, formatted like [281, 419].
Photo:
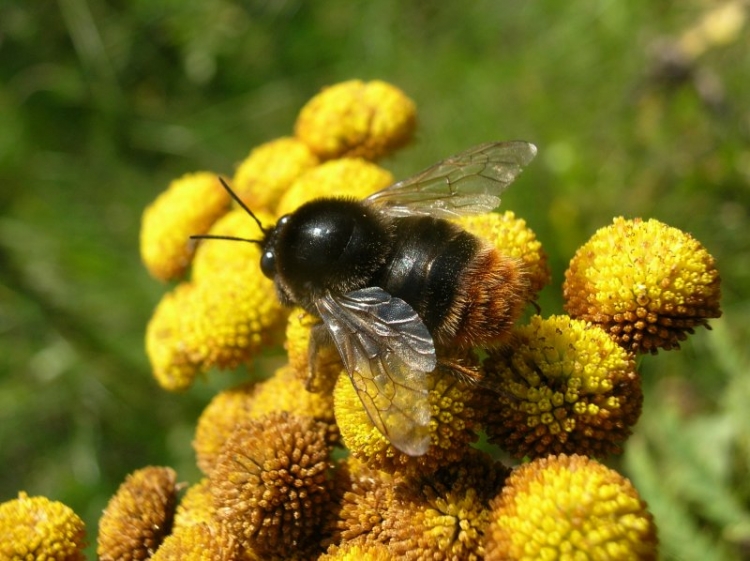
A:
[490, 298]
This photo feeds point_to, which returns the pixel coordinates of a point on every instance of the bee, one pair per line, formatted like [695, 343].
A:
[394, 281]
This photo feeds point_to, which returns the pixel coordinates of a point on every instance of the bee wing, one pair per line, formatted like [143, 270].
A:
[467, 183]
[387, 351]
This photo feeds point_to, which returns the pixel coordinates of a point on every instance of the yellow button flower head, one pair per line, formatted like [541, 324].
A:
[139, 516]
[452, 427]
[199, 542]
[569, 507]
[355, 118]
[444, 515]
[196, 506]
[349, 177]
[357, 552]
[563, 385]
[284, 391]
[362, 496]
[646, 283]
[223, 318]
[270, 483]
[269, 170]
[189, 206]
[37, 528]
[514, 239]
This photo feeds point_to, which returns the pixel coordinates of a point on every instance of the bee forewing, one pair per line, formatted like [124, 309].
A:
[387, 351]
[467, 183]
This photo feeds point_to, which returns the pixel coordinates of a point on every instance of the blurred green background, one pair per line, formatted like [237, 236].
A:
[639, 108]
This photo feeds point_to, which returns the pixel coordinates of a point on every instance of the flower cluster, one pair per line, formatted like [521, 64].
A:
[294, 465]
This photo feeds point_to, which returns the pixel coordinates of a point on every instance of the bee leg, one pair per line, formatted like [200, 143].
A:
[318, 374]
[469, 374]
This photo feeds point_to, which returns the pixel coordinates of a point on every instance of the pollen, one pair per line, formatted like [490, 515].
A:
[189, 206]
[647, 284]
[265, 175]
[355, 118]
[562, 386]
[569, 507]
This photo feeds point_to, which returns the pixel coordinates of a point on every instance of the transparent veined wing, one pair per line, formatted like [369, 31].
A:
[388, 352]
[467, 183]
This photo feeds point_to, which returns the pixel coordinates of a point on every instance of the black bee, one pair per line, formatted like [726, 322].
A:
[392, 279]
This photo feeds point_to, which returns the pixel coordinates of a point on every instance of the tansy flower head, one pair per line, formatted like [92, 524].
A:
[645, 283]
[199, 542]
[269, 170]
[357, 552]
[347, 177]
[452, 426]
[139, 515]
[37, 528]
[563, 385]
[196, 506]
[444, 515]
[515, 240]
[355, 118]
[189, 206]
[284, 391]
[361, 496]
[569, 507]
[223, 318]
[270, 483]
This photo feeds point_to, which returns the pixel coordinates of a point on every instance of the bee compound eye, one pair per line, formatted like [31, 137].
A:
[268, 264]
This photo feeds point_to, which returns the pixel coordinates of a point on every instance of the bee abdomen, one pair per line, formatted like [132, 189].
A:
[465, 291]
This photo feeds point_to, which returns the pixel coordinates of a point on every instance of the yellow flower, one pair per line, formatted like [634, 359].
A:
[170, 362]
[452, 427]
[284, 391]
[350, 177]
[270, 483]
[223, 318]
[645, 283]
[362, 496]
[37, 528]
[269, 170]
[196, 506]
[569, 507]
[515, 240]
[139, 516]
[198, 542]
[357, 552]
[355, 118]
[189, 206]
[563, 385]
[444, 515]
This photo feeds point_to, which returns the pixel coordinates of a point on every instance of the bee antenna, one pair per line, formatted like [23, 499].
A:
[244, 207]
[231, 238]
